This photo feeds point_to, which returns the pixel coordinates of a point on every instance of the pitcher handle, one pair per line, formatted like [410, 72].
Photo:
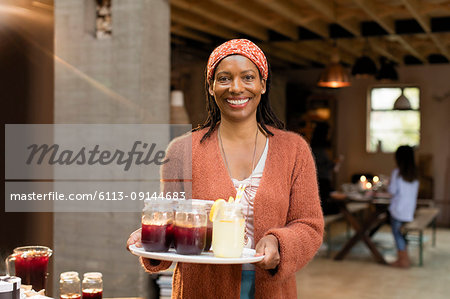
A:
[8, 260]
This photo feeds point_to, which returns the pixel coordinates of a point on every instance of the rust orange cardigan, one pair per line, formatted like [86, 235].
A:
[286, 205]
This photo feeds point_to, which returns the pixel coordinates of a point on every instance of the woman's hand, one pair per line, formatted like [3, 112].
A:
[134, 239]
[268, 246]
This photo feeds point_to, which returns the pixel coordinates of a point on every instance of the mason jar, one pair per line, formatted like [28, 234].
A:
[157, 225]
[229, 231]
[69, 285]
[92, 285]
[190, 226]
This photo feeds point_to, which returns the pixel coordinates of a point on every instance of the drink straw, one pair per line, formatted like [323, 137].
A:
[239, 193]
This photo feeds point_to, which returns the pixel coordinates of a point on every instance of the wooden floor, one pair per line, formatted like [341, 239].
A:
[359, 277]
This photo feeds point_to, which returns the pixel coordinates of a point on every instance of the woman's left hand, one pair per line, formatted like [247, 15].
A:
[268, 246]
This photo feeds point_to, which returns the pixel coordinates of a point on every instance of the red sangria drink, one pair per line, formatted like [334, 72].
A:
[157, 225]
[92, 293]
[157, 238]
[208, 237]
[31, 265]
[189, 240]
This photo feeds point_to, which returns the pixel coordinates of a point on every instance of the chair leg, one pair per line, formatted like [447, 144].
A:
[434, 232]
[421, 248]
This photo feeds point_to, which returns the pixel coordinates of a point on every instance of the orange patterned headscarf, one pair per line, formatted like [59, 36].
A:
[242, 47]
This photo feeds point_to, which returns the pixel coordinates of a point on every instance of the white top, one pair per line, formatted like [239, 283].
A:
[248, 198]
[404, 197]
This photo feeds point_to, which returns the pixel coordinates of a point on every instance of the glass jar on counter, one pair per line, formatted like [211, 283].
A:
[92, 285]
[157, 225]
[69, 285]
[190, 226]
[229, 231]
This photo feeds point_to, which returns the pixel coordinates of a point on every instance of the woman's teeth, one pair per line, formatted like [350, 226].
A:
[237, 102]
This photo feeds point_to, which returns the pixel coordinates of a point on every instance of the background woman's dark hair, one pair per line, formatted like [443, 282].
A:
[404, 156]
[264, 113]
[320, 135]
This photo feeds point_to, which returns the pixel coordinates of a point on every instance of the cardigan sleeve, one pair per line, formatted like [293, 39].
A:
[302, 236]
[153, 266]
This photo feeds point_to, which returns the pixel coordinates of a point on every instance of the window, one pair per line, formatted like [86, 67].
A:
[388, 127]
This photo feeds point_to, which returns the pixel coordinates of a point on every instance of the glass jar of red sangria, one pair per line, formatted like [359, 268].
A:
[207, 204]
[92, 285]
[190, 227]
[70, 285]
[157, 225]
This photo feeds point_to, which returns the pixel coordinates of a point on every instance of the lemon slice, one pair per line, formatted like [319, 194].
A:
[231, 199]
[217, 205]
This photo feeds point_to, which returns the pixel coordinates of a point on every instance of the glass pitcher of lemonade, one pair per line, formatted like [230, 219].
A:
[228, 231]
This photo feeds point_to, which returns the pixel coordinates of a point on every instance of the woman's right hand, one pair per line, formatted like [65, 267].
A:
[134, 239]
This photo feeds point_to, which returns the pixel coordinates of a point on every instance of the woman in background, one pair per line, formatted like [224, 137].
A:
[403, 187]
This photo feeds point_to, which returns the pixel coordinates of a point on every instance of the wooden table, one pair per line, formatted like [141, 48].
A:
[364, 228]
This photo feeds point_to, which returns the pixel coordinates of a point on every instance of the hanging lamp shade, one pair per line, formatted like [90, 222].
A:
[334, 75]
[387, 70]
[402, 103]
[364, 67]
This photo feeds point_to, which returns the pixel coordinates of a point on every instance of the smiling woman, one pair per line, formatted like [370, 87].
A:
[242, 143]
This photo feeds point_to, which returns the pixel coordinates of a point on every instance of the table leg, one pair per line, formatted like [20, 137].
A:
[363, 232]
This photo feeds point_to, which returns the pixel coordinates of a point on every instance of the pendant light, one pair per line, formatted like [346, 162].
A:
[387, 70]
[402, 103]
[334, 75]
[364, 66]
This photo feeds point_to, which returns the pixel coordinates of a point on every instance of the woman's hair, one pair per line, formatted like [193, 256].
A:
[404, 156]
[264, 113]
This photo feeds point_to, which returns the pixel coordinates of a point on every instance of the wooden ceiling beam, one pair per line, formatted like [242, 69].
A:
[201, 24]
[298, 49]
[296, 16]
[328, 10]
[375, 45]
[238, 7]
[188, 33]
[281, 54]
[413, 7]
[387, 24]
[231, 22]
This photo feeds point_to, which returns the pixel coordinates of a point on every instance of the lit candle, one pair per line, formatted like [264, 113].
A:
[376, 179]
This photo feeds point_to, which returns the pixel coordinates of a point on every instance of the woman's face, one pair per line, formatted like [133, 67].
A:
[237, 88]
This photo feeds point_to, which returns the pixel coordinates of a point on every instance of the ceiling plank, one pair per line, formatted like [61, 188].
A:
[239, 7]
[370, 8]
[201, 24]
[296, 16]
[217, 16]
[376, 45]
[281, 54]
[328, 9]
[413, 7]
[188, 33]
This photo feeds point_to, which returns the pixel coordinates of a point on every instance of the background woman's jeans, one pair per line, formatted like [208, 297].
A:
[399, 239]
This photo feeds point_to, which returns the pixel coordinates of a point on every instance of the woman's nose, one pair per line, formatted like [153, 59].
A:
[236, 86]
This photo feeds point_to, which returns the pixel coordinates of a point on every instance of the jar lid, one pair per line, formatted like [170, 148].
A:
[93, 275]
[194, 204]
[69, 275]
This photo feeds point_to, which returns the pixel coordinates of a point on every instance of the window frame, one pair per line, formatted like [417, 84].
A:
[369, 111]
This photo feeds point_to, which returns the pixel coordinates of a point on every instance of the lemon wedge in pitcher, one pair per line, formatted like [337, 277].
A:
[217, 205]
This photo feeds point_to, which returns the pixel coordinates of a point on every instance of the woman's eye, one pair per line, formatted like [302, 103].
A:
[222, 79]
[249, 77]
